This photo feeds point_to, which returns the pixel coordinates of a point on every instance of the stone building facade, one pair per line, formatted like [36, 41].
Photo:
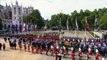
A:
[13, 15]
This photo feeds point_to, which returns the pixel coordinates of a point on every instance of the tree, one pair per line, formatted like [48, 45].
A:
[103, 22]
[101, 15]
[35, 18]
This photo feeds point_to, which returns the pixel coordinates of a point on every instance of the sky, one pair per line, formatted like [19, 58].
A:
[50, 7]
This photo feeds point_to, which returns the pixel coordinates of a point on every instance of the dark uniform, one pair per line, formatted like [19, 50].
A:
[0, 46]
[4, 46]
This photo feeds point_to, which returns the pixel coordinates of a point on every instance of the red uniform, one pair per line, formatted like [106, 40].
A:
[97, 56]
[32, 49]
[88, 54]
[51, 50]
[29, 48]
[80, 53]
[46, 51]
[40, 50]
[25, 47]
[73, 56]
[20, 46]
[37, 49]
[56, 55]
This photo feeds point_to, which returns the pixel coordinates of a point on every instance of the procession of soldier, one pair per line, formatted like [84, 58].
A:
[51, 45]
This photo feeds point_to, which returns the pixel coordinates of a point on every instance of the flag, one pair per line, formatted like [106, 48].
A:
[87, 25]
[24, 27]
[29, 26]
[96, 24]
[76, 24]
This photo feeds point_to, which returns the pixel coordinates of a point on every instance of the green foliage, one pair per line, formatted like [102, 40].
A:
[101, 15]
[35, 18]
[103, 22]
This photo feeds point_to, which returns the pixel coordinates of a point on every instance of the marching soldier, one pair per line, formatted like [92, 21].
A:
[28, 47]
[73, 55]
[40, 49]
[80, 52]
[37, 49]
[56, 55]
[46, 50]
[97, 55]
[51, 50]
[64, 51]
[58, 49]
[72, 49]
[20, 45]
[25, 47]
[32, 49]
[89, 53]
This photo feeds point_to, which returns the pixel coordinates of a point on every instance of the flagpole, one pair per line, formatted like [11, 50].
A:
[95, 26]
[85, 26]
[67, 27]
[76, 27]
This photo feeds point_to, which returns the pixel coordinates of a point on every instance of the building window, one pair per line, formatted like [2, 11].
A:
[14, 10]
[19, 11]
[14, 17]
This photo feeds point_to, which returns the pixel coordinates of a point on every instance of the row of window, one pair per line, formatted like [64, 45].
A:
[19, 10]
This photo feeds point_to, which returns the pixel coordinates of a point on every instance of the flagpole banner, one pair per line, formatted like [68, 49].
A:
[97, 24]
[87, 25]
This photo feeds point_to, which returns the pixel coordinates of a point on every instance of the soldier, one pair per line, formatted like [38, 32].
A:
[73, 55]
[4, 46]
[37, 49]
[72, 49]
[97, 55]
[88, 54]
[40, 49]
[28, 47]
[20, 45]
[58, 49]
[51, 50]
[25, 47]
[79, 52]
[46, 50]
[56, 55]
[32, 49]
[64, 51]
[0, 46]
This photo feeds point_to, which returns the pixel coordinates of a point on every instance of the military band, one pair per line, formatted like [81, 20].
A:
[67, 47]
